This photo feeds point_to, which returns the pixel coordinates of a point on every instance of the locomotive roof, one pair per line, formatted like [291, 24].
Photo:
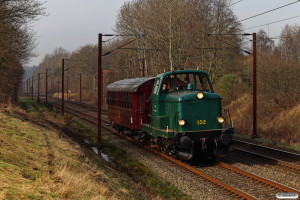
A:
[128, 85]
[180, 72]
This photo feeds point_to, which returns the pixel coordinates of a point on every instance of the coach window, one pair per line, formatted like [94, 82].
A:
[127, 100]
[115, 98]
[122, 99]
[107, 98]
[130, 101]
[118, 99]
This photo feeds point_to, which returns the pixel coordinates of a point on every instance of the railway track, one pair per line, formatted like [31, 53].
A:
[241, 176]
[78, 104]
[277, 156]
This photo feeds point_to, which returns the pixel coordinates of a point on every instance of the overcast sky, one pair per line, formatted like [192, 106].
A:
[73, 23]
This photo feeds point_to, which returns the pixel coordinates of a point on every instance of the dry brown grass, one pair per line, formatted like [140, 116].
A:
[87, 96]
[277, 124]
[39, 164]
[241, 114]
[284, 126]
[43, 163]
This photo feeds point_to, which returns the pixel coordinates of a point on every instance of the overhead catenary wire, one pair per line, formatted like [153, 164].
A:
[273, 22]
[155, 11]
[235, 47]
[269, 11]
[236, 2]
[74, 66]
[107, 53]
[149, 15]
[285, 36]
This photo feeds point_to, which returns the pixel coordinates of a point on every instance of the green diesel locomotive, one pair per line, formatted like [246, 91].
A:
[177, 112]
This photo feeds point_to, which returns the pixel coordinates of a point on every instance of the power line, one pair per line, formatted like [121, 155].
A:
[105, 54]
[235, 47]
[236, 2]
[273, 22]
[269, 11]
[285, 36]
[151, 14]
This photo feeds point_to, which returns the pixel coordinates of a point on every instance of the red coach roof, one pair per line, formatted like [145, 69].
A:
[128, 85]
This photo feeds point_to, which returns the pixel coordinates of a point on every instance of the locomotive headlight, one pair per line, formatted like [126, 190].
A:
[221, 120]
[181, 122]
[200, 95]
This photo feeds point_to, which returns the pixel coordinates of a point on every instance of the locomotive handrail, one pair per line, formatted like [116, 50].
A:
[176, 118]
[228, 122]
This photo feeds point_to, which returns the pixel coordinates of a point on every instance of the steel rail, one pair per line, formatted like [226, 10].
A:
[76, 115]
[258, 178]
[211, 179]
[279, 162]
[82, 105]
[268, 148]
[195, 171]
[92, 108]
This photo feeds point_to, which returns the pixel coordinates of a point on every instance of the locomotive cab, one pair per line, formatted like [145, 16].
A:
[186, 115]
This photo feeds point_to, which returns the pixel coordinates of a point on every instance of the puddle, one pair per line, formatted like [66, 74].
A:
[95, 149]
[86, 141]
[107, 158]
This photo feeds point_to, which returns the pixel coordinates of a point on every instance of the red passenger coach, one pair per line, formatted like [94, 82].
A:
[127, 100]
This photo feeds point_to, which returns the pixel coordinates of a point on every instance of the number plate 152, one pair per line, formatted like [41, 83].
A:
[201, 122]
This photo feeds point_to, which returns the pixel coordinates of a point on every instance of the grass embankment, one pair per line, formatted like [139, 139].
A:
[39, 161]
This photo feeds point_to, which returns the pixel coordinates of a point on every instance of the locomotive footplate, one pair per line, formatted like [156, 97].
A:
[223, 135]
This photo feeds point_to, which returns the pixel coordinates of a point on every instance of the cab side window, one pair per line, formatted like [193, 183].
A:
[155, 86]
[168, 85]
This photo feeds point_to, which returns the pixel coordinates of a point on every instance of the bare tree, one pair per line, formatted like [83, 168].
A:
[178, 29]
[264, 43]
[289, 45]
[16, 41]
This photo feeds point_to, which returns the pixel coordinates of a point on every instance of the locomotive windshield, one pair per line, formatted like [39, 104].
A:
[184, 81]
